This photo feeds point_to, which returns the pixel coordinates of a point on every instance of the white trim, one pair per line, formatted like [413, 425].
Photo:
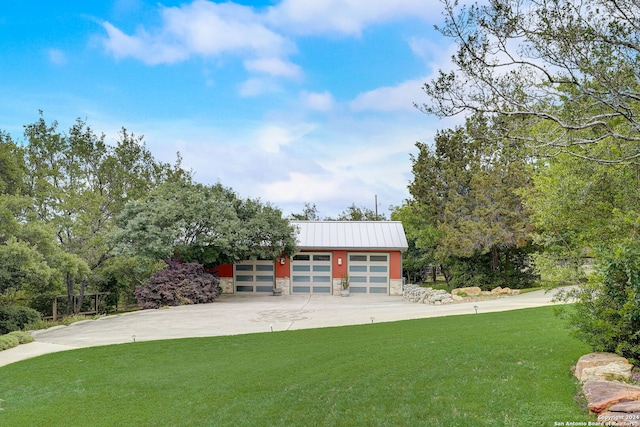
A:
[311, 272]
[254, 276]
[369, 272]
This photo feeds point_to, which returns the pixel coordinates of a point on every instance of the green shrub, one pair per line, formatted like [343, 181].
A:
[22, 336]
[14, 318]
[8, 341]
[39, 324]
[514, 271]
[607, 309]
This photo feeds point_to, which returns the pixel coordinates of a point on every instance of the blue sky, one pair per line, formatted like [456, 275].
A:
[291, 101]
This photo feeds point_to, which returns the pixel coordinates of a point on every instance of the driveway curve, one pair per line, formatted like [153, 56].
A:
[241, 314]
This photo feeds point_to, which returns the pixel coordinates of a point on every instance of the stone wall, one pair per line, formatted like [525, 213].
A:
[226, 283]
[337, 287]
[605, 378]
[284, 284]
[415, 293]
[395, 287]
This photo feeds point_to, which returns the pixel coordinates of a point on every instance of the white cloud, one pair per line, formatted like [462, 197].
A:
[424, 48]
[208, 29]
[303, 187]
[150, 50]
[201, 28]
[390, 98]
[333, 163]
[272, 137]
[356, 161]
[345, 16]
[257, 86]
[318, 101]
[402, 96]
[57, 56]
[274, 67]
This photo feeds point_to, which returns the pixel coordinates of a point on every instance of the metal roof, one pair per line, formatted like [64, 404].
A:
[351, 235]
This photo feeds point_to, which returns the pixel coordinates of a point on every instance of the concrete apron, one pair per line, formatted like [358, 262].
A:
[241, 314]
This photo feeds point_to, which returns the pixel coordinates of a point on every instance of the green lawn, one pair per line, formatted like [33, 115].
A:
[509, 368]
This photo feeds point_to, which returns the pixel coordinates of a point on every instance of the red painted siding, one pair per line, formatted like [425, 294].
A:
[282, 270]
[339, 270]
[395, 265]
[224, 270]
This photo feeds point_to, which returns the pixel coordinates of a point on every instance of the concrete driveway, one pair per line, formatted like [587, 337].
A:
[241, 314]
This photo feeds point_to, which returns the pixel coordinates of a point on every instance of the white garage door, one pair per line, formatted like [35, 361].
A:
[311, 273]
[369, 273]
[254, 276]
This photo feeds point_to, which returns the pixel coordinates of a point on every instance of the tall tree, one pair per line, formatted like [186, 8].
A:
[33, 263]
[359, 213]
[205, 224]
[12, 167]
[27, 246]
[21, 265]
[580, 208]
[79, 184]
[569, 70]
[309, 213]
[568, 67]
[422, 239]
[467, 187]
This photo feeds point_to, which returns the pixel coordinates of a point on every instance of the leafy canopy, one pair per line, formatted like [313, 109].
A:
[205, 224]
[568, 67]
[467, 190]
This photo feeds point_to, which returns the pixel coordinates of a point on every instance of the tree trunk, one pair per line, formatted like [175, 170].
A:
[445, 273]
[83, 287]
[507, 255]
[70, 289]
[495, 258]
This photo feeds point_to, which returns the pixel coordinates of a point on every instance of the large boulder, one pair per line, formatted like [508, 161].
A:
[627, 407]
[602, 395]
[602, 366]
[415, 293]
[611, 372]
[438, 297]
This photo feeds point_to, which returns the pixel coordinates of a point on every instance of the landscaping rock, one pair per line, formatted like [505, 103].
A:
[612, 372]
[626, 407]
[415, 293]
[501, 291]
[601, 395]
[601, 359]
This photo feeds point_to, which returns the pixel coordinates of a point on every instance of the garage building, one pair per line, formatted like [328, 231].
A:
[368, 253]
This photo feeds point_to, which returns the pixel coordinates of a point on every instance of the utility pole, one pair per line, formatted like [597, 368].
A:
[376, 206]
